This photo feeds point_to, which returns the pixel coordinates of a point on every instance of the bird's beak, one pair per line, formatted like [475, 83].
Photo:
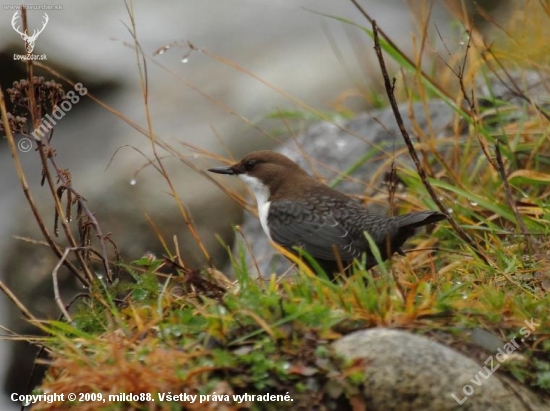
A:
[224, 170]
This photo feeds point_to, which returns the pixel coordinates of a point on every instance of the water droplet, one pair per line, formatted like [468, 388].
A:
[458, 282]
[464, 296]
[185, 60]
[162, 51]
[133, 182]
[449, 210]
[464, 39]
[286, 366]
[473, 203]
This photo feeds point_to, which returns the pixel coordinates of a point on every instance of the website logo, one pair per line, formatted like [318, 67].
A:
[29, 40]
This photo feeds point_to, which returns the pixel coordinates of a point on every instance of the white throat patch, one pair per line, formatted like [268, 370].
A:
[261, 192]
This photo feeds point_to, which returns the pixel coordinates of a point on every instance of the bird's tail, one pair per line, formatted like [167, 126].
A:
[418, 219]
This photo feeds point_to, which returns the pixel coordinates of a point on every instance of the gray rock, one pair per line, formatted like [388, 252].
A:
[509, 87]
[408, 372]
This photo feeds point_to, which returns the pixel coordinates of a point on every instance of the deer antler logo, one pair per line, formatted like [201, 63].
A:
[29, 40]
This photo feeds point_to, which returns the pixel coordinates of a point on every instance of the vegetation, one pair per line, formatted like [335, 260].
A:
[175, 330]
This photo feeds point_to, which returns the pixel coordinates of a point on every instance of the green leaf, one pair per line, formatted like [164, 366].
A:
[529, 177]
[490, 204]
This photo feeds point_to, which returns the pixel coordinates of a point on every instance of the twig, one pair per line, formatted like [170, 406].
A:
[511, 202]
[462, 70]
[141, 61]
[27, 191]
[177, 250]
[470, 98]
[46, 153]
[57, 296]
[5, 289]
[35, 113]
[101, 237]
[421, 172]
[516, 90]
[403, 55]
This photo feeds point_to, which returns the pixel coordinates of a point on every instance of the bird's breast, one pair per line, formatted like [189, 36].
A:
[262, 194]
[263, 213]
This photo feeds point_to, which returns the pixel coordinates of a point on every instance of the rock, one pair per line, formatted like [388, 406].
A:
[408, 372]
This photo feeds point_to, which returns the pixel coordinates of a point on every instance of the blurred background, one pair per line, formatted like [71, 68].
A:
[194, 99]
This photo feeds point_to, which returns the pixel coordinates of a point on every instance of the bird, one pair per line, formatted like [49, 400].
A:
[297, 210]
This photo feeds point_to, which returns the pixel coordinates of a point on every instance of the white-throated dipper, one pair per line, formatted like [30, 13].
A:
[297, 210]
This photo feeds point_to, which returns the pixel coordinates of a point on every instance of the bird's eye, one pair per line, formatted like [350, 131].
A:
[250, 164]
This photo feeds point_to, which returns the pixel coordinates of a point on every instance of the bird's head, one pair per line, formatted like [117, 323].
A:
[264, 170]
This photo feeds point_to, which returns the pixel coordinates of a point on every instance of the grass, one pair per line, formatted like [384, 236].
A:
[174, 330]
